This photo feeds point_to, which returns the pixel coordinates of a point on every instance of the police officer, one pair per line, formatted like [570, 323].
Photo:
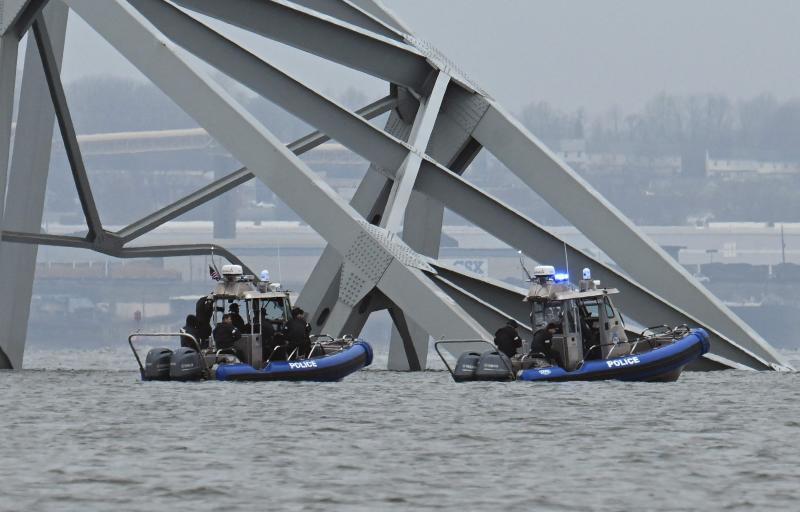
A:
[203, 311]
[507, 339]
[225, 334]
[236, 318]
[192, 329]
[268, 340]
[297, 333]
[543, 340]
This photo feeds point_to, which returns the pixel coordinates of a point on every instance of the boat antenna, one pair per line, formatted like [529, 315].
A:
[278, 246]
[213, 262]
[522, 264]
[566, 256]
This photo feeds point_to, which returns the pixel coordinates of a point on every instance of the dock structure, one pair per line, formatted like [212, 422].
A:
[384, 243]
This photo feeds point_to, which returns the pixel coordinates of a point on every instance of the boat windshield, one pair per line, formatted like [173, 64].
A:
[275, 309]
[544, 313]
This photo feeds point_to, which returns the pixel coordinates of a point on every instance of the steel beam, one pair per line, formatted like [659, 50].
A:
[320, 292]
[609, 229]
[408, 345]
[290, 94]
[74, 242]
[352, 14]
[270, 161]
[9, 47]
[32, 10]
[499, 295]
[10, 11]
[170, 251]
[26, 188]
[234, 179]
[52, 75]
[420, 136]
[533, 240]
[335, 41]
[476, 305]
[379, 11]
[414, 361]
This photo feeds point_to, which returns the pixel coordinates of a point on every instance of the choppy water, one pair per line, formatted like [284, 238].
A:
[99, 439]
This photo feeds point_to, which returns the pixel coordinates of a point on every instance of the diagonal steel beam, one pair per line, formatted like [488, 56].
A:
[609, 229]
[27, 182]
[336, 41]
[169, 251]
[253, 145]
[290, 94]
[9, 48]
[379, 11]
[19, 237]
[53, 77]
[28, 15]
[236, 178]
[350, 13]
[520, 232]
[419, 138]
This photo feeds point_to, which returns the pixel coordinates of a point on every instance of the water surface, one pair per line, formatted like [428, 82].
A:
[84, 435]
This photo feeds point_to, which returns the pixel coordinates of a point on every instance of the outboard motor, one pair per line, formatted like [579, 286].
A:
[466, 366]
[156, 365]
[494, 365]
[186, 364]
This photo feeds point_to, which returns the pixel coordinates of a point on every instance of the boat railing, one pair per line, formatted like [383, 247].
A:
[185, 335]
[612, 345]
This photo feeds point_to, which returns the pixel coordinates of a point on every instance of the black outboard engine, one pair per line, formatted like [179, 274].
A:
[466, 366]
[186, 364]
[494, 365]
[156, 365]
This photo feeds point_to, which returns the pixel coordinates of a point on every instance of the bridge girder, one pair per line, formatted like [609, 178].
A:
[383, 245]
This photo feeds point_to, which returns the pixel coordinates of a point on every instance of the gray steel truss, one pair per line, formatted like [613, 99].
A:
[383, 245]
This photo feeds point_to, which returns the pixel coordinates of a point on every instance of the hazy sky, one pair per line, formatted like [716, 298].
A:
[591, 53]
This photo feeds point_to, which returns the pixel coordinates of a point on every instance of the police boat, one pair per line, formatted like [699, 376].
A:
[581, 336]
[260, 352]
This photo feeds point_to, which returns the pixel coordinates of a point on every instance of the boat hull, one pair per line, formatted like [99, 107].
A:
[330, 368]
[663, 364]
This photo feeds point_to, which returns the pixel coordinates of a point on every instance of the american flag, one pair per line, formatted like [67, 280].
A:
[213, 273]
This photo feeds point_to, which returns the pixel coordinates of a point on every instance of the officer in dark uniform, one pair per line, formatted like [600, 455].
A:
[507, 339]
[225, 334]
[543, 340]
[297, 333]
[192, 329]
[236, 318]
[268, 340]
[203, 311]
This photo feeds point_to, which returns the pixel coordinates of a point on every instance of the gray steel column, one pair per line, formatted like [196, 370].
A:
[26, 188]
[420, 136]
[408, 345]
[321, 290]
[9, 45]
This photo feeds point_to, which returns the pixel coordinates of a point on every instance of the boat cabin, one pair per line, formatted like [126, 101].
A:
[257, 301]
[588, 326]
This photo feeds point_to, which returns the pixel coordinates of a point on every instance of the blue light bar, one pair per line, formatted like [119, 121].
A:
[560, 277]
